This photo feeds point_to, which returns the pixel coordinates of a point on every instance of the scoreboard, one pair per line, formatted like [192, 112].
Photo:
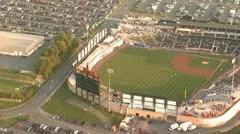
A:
[87, 81]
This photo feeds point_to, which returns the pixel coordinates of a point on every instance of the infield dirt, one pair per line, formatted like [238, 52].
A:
[181, 63]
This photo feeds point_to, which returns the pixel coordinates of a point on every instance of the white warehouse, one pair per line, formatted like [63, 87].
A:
[17, 44]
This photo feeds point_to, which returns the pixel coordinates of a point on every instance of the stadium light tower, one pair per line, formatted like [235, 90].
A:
[110, 71]
[233, 62]
[154, 7]
[87, 27]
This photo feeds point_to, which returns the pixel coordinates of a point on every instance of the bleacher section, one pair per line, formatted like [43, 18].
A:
[209, 44]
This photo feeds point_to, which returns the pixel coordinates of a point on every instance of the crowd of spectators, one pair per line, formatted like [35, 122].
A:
[223, 86]
[201, 43]
[50, 17]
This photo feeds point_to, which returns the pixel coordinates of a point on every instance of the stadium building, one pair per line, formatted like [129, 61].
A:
[16, 44]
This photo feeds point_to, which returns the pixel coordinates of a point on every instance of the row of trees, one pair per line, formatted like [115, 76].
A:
[63, 45]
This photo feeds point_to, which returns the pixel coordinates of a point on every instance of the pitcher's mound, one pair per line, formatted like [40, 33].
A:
[204, 62]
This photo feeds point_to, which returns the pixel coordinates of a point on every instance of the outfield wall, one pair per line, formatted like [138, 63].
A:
[145, 114]
[213, 122]
[100, 52]
[90, 47]
[90, 55]
[115, 107]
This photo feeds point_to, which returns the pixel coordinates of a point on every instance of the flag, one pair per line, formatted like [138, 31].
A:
[233, 60]
[185, 94]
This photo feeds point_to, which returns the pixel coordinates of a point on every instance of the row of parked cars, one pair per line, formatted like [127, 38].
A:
[45, 129]
[182, 126]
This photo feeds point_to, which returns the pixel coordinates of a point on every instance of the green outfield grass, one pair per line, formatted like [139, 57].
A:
[150, 72]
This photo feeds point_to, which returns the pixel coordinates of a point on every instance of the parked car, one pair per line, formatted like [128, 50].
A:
[75, 132]
[29, 129]
[56, 129]
[41, 126]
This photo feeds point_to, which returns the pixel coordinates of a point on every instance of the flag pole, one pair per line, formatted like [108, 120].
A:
[185, 94]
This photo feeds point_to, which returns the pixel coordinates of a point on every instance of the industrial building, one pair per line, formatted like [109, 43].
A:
[16, 44]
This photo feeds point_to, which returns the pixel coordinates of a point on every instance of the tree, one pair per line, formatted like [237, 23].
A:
[63, 45]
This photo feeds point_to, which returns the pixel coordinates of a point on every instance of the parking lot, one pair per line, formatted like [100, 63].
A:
[42, 128]
[50, 17]
[30, 127]
[221, 11]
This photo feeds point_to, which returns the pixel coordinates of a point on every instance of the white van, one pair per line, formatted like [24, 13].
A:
[45, 127]
[173, 126]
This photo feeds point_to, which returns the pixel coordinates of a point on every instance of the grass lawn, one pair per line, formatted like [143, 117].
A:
[58, 106]
[235, 130]
[115, 118]
[16, 75]
[197, 62]
[12, 79]
[10, 122]
[150, 72]
[6, 105]
[9, 86]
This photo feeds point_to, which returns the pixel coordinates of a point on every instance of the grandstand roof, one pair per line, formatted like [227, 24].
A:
[212, 25]
[214, 97]
[167, 23]
[19, 44]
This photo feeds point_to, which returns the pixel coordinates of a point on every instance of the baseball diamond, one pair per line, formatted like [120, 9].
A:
[163, 73]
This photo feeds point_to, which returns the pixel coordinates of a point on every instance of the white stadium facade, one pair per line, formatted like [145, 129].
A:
[17, 44]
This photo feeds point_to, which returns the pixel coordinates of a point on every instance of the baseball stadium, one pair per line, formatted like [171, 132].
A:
[161, 72]
[171, 74]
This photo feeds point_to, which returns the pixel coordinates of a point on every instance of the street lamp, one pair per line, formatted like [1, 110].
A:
[110, 71]
[154, 7]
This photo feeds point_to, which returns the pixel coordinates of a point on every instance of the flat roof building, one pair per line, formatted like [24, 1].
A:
[17, 44]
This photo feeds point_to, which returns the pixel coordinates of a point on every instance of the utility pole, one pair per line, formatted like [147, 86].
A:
[154, 7]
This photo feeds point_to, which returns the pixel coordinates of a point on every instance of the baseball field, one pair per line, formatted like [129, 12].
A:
[161, 73]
